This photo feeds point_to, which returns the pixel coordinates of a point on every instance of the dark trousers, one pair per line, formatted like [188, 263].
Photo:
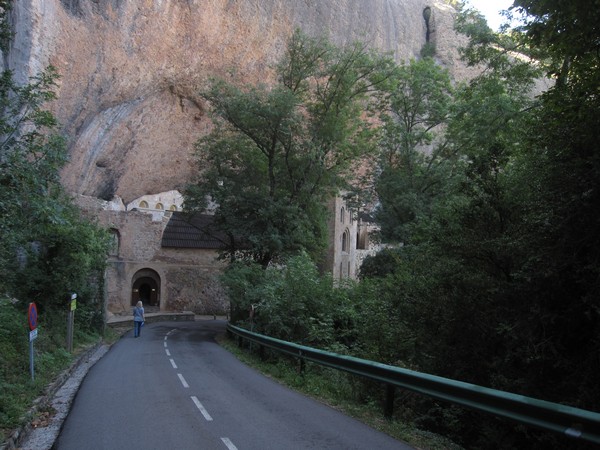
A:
[137, 328]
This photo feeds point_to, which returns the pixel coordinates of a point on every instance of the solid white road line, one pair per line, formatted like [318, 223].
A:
[185, 385]
[201, 408]
[228, 443]
[173, 364]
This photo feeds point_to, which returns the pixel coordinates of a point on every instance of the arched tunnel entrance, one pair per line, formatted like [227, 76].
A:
[146, 287]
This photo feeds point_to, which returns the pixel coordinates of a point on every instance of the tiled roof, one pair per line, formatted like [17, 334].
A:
[196, 231]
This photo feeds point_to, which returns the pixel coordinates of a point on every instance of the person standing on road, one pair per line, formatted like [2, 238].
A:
[138, 318]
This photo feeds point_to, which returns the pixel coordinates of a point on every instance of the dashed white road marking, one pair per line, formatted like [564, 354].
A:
[228, 443]
[201, 408]
[199, 405]
[185, 385]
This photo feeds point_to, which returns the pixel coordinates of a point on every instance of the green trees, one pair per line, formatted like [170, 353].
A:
[498, 276]
[278, 153]
[47, 249]
[29, 162]
[293, 302]
[493, 192]
[562, 176]
[412, 153]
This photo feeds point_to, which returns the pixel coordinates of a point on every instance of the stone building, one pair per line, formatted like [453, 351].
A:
[159, 257]
[169, 260]
[349, 240]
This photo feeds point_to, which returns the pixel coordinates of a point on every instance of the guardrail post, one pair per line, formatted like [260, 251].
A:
[390, 391]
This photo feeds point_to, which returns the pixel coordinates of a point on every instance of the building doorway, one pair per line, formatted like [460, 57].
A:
[146, 287]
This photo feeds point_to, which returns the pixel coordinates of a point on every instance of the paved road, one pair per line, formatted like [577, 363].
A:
[175, 388]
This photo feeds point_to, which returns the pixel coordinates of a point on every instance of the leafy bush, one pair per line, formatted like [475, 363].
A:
[292, 302]
[50, 357]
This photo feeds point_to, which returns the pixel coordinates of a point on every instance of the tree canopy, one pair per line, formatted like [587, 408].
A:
[48, 250]
[489, 192]
[278, 153]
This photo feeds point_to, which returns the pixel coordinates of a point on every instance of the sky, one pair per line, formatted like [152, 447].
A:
[491, 10]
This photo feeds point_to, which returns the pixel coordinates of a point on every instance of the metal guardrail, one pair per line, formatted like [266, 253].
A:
[573, 422]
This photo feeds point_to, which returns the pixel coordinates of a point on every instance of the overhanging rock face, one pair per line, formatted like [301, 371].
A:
[130, 70]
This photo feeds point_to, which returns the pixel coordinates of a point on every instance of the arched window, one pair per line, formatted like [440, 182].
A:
[143, 204]
[345, 241]
[362, 239]
[114, 242]
[159, 206]
[173, 208]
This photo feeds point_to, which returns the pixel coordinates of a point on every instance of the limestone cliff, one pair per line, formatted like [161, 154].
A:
[130, 69]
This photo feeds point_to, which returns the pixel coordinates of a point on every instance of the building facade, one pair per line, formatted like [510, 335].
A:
[170, 261]
[140, 267]
[349, 240]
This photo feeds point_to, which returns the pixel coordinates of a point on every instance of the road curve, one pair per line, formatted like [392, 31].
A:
[176, 388]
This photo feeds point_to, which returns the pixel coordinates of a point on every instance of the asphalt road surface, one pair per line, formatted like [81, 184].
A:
[175, 388]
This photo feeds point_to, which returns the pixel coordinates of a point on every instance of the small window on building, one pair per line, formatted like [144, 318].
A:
[159, 206]
[173, 208]
[114, 242]
[143, 204]
[342, 213]
[362, 239]
[345, 241]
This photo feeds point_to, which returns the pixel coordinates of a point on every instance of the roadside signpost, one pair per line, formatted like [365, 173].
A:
[32, 319]
[71, 322]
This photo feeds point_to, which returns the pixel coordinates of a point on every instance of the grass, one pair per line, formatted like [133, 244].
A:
[19, 392]
[340, 391]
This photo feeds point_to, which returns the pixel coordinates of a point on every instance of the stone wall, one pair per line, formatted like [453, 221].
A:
[341, 252]
[186, 279]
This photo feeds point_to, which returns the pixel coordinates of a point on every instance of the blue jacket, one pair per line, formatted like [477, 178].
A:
[138, 314]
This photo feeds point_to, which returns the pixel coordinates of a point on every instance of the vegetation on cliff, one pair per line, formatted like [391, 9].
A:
[278, 153]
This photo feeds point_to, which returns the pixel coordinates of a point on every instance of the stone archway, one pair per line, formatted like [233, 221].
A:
[145, 286]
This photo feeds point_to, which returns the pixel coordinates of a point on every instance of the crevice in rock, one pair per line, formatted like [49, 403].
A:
[427, 17]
